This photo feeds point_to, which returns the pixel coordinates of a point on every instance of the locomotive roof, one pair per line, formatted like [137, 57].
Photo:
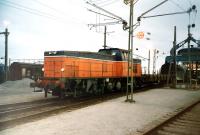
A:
[85, 54]
[63, 52]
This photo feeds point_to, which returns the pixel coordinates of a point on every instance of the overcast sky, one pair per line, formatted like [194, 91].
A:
[36, 26]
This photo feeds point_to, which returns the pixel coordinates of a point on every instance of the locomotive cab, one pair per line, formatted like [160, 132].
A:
[119, 54]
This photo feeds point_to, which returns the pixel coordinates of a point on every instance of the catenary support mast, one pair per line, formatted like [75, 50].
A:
[6, 33]
[129, 97]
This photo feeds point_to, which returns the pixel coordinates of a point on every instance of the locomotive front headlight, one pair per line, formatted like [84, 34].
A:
[62, 69]
[43, 69]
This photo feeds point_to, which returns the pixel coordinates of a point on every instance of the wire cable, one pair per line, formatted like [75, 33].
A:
[99, 2]
[109, 3]
[47, 6]
[103, 14]
[172, 1]
[56, 10]
[33, 11]
[189, 2]
[28, 11]
[27, 8]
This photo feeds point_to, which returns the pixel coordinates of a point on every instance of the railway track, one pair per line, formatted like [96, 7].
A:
[187, 122]
[12, 115]
[24, 105]
[20, 113]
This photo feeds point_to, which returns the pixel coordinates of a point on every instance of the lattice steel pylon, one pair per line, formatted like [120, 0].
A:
[129, 96]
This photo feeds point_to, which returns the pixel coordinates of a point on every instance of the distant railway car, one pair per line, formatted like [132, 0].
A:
[75, 72]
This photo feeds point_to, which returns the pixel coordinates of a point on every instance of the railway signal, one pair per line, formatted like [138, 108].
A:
[140, 35]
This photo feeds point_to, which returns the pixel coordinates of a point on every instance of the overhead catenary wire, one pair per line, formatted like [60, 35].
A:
[94, 5]
[55, 9]
[157, 15]
[28, 11]
[27, 8]
[178, 5]
[195, 16]
[109, 3]
[195, 11]
[152, 9]
[35, 11]
[150, 16]
[101, 2]
[192, 17]
[97, 1]
[135, 2]
[49, 7]
[189, 1]
[110, 14]
[103, 14]
[104, 24]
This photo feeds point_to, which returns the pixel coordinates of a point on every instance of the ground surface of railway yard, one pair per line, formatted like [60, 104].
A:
[114, 116]
[18, 91]
[186, 122]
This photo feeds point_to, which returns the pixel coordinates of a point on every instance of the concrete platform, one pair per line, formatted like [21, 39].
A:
[114, 117]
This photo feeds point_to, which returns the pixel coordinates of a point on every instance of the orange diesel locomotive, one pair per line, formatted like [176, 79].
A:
[78, 72]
